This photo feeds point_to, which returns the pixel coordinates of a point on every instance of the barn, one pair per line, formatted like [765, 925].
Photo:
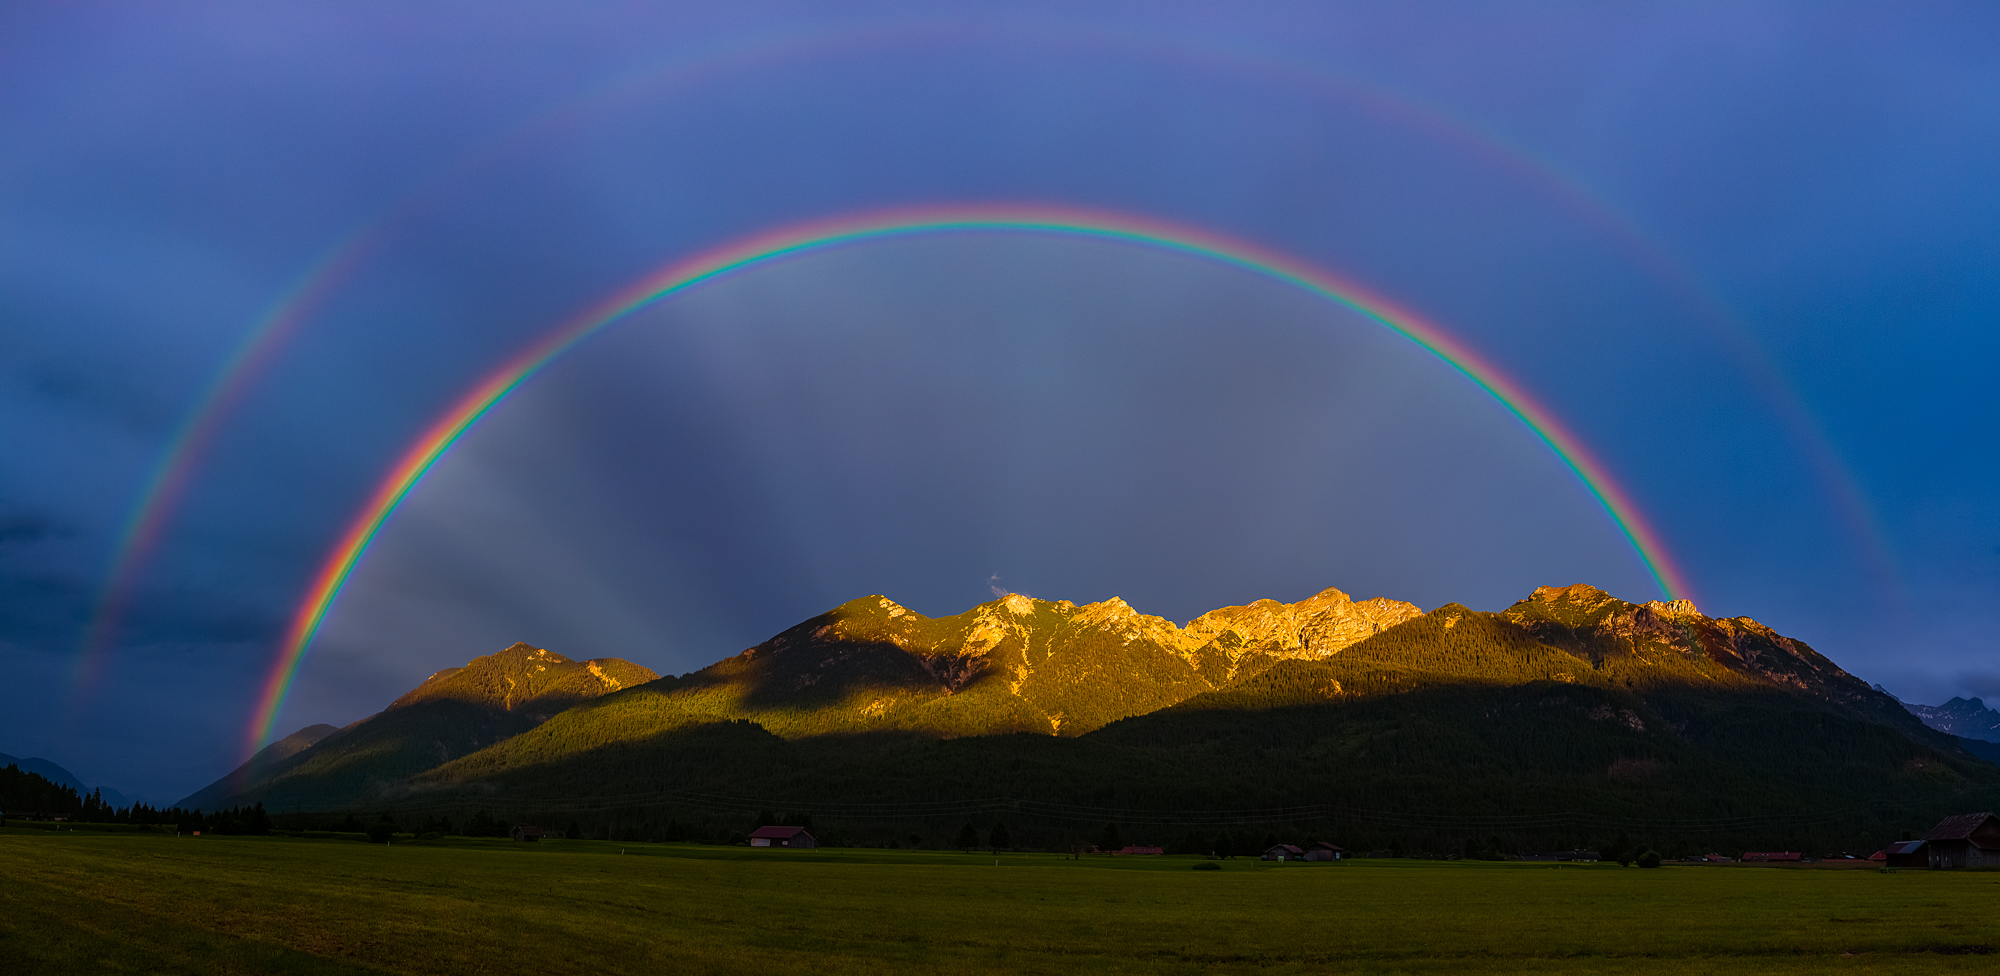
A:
[1968, 840]
[782, 837]
[1906, 854]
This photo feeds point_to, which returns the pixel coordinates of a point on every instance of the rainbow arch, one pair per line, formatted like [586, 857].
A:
[805, 238]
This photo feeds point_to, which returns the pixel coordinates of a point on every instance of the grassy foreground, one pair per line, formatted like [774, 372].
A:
[79, 901]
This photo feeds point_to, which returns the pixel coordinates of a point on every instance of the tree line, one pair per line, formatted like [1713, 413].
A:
[25, 794]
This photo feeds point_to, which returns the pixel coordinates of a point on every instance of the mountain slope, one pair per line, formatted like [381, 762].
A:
[453, 712]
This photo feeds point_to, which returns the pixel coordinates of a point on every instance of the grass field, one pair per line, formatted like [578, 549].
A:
[77, 901]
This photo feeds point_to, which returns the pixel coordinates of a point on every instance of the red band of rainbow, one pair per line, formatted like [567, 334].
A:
[805, 238]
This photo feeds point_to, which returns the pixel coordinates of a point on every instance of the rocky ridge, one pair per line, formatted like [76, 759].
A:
[1038, 665]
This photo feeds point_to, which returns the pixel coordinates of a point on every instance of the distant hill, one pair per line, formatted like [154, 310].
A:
[453, 712]
[46, 770]
[63, 777]
[1967, 718]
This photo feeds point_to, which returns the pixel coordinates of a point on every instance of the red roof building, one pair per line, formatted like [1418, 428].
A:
[1133, 849]
[1968, 840]
[782, 837]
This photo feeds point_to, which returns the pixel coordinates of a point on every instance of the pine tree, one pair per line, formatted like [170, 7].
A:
[998, 837]
[1108, 841]
[968, 837]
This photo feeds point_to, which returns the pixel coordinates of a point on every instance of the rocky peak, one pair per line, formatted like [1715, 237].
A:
[1579, 594]
[524, 676]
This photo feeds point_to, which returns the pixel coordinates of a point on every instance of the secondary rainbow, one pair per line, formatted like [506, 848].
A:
[801, 239]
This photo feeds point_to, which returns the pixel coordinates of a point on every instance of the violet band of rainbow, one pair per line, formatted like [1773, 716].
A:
[800, 239]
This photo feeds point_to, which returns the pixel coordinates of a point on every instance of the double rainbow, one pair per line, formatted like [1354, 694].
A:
[802, 239]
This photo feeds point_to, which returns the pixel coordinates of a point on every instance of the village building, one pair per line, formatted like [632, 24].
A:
[1285, 852]
[1323, 851]
[1136, 849]
[1772, 857]
[1968, 840]
[782, 837]
[527, 832]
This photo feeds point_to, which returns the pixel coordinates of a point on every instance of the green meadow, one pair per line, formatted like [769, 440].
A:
[75, 901]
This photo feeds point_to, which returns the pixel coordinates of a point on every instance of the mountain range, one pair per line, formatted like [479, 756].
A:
[1371, 712]
[1967, 718]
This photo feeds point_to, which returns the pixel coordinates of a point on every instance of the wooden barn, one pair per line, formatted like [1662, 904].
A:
[1323, 851]
[782, 837]
[1968, 840]
[527, 832]
[1285, 852]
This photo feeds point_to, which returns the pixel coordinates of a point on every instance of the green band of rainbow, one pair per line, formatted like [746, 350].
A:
[801, 239]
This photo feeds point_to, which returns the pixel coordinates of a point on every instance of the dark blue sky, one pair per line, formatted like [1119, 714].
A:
[1747, 252]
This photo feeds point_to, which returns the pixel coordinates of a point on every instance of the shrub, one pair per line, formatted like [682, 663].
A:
[1649, 859]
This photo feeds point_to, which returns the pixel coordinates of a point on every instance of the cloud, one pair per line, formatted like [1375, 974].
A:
[21, 529]
[1000, 592]
[1980, 684]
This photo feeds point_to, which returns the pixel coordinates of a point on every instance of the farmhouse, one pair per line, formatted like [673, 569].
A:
[782, 837]
[1968, 840]
[1285, 852]
[527, 832]
[1323, 851]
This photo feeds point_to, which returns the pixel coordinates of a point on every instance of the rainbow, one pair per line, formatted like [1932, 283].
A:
[171, 475]
[801, 239]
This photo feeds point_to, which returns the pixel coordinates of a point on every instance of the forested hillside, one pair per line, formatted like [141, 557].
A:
[454, 712]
